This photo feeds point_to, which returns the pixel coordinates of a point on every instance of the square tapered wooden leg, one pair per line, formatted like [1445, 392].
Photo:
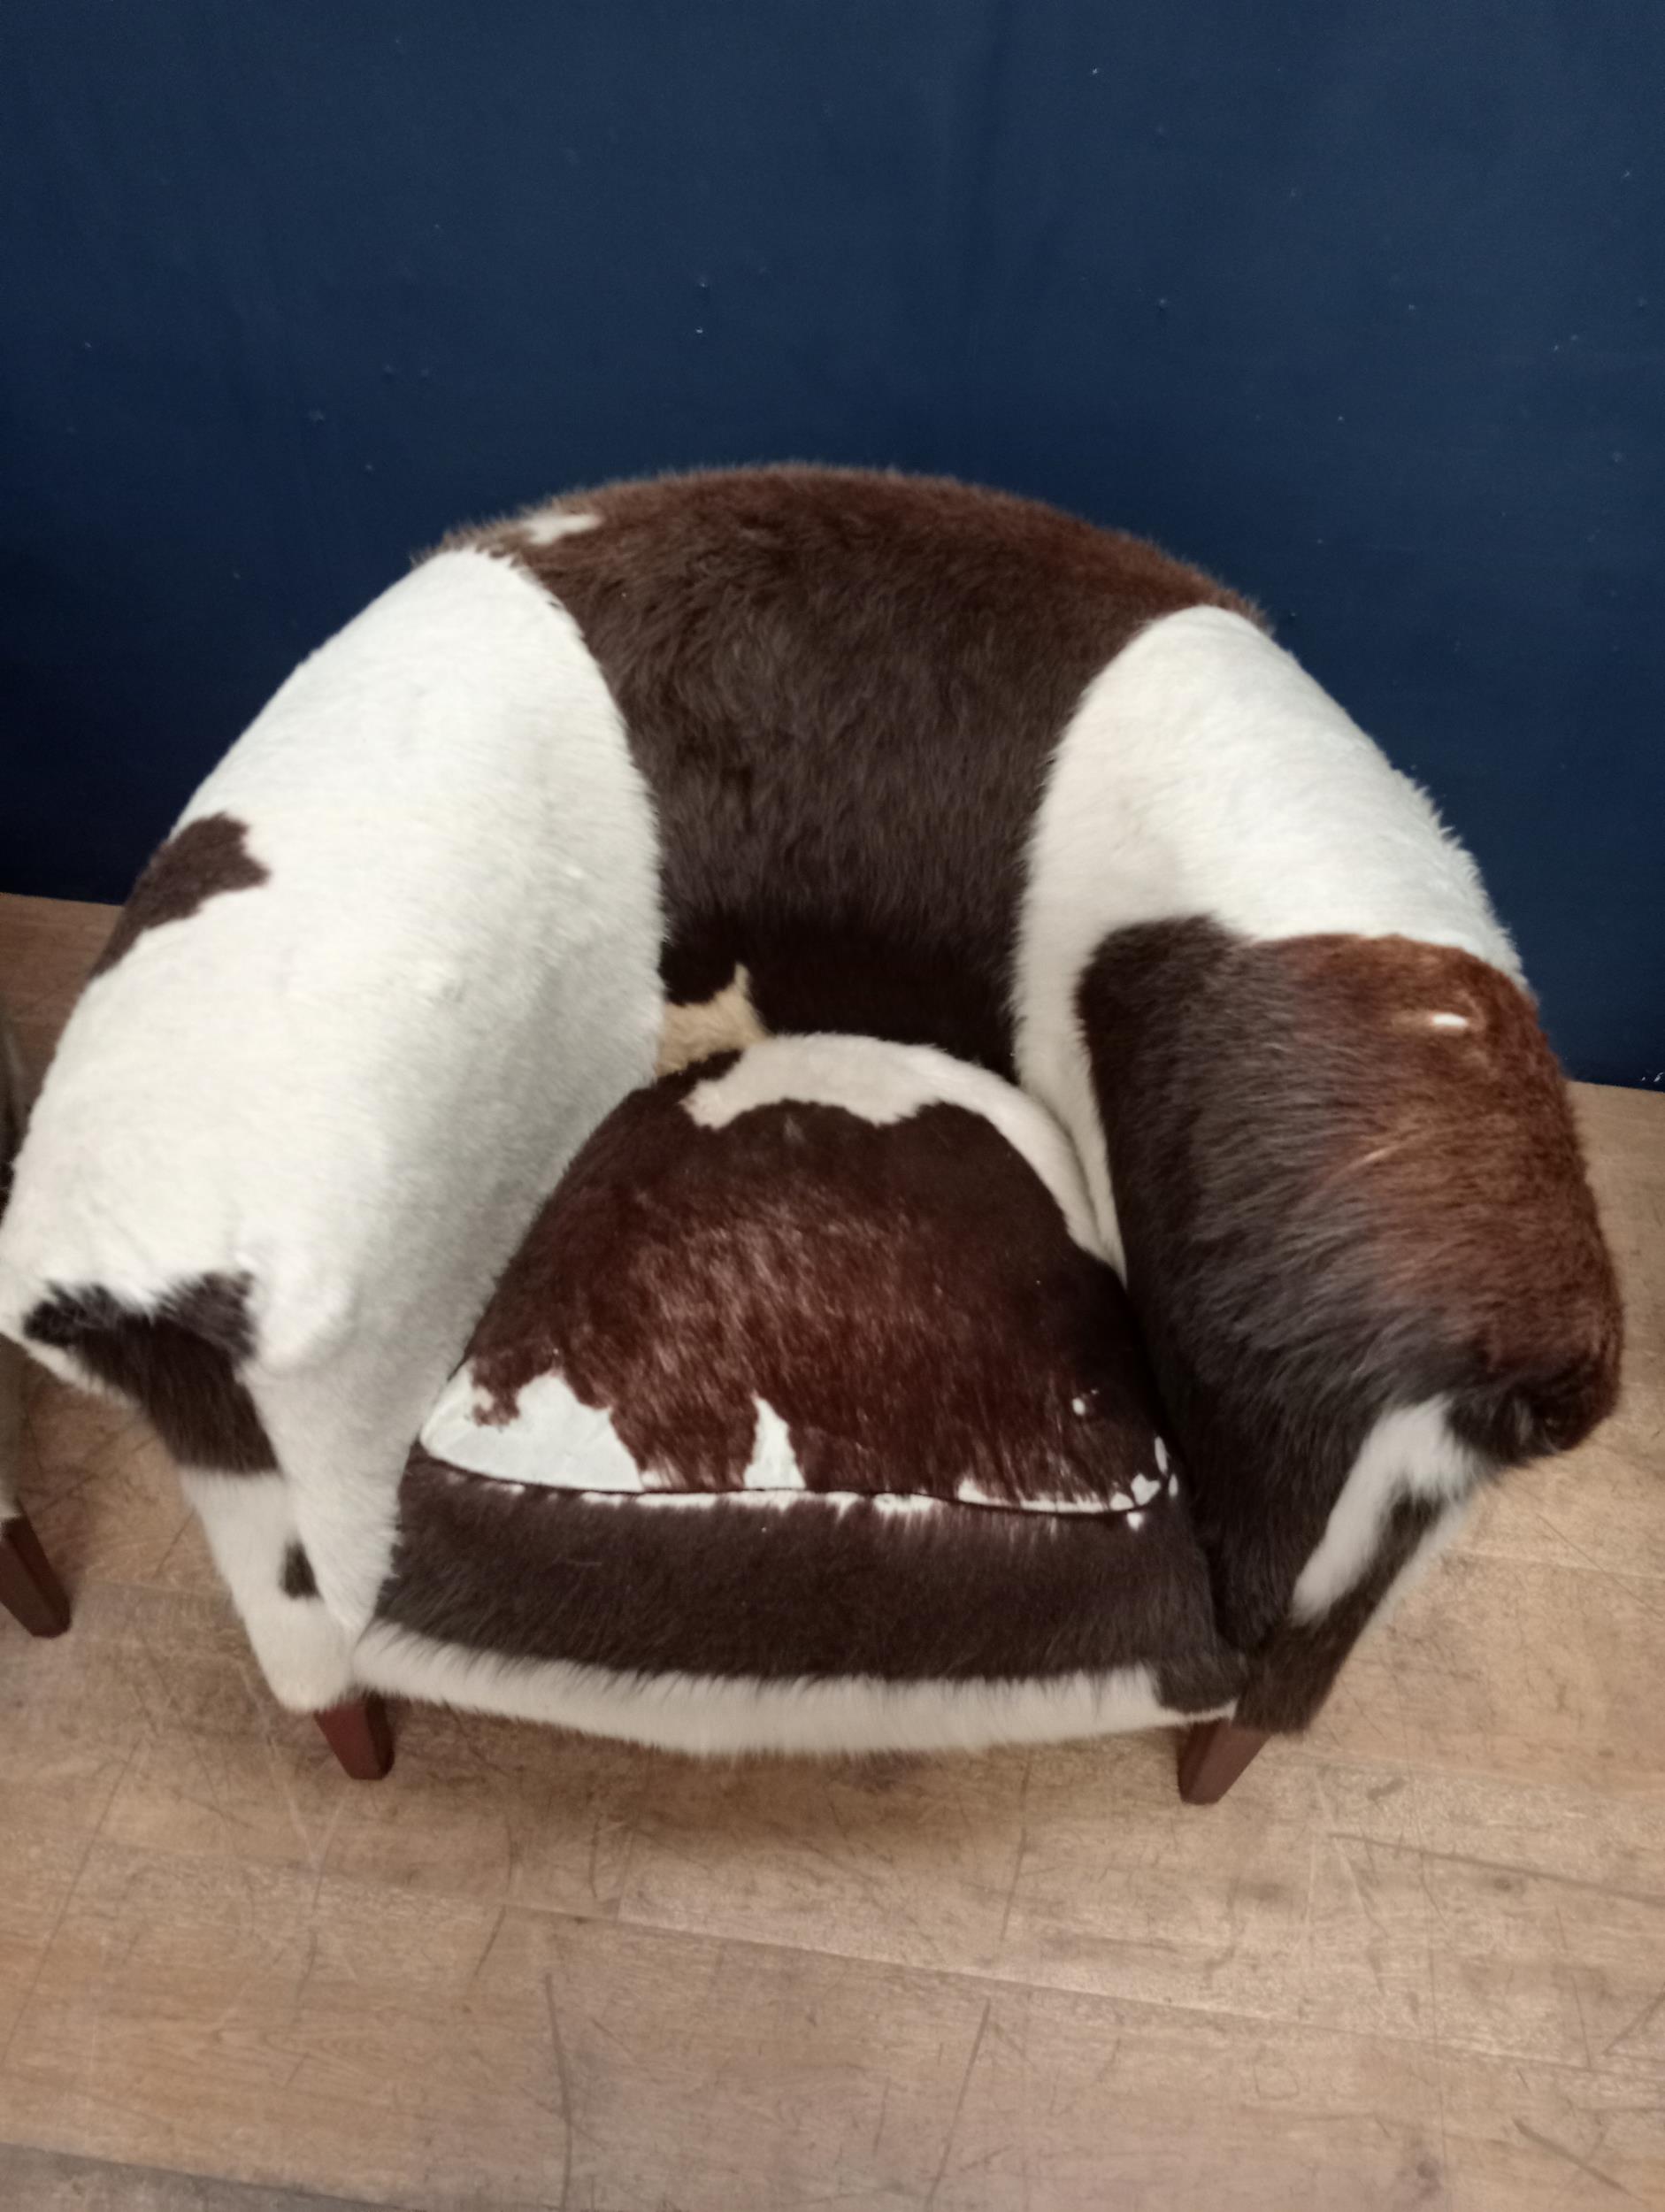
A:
[29, 1588]
[360, 1735]
[1211, 1757]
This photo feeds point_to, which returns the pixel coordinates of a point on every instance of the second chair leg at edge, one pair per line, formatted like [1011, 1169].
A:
[29, 1589]
[360, 1734]
[1212, 1756]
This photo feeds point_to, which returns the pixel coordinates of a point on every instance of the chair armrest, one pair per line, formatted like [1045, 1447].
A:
[1361, 1240]
[395, 962]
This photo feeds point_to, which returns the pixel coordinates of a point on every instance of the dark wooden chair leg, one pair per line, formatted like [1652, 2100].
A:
[29, 1588]
[1211, 1757]
[360, 1735]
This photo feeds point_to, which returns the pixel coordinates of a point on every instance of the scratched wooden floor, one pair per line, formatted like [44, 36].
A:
[1418, 1960]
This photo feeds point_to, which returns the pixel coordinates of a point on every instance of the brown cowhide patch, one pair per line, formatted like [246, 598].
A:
[207, 857]
[178, 1362]
[806, 1589]
[297, 1580]
[843, 689]
[906, 1297]
[1347, 1180]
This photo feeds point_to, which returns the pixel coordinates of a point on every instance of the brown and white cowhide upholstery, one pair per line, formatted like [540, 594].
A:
[672, 764]
[809, 1417]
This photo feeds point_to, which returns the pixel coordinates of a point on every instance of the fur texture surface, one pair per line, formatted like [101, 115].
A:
[904, 1294]
[842, 690]
[1361, 1247]
[886, 1083]
[731, 1588]
[807, 1385]
[1409, 1453]
[725, 1022]
[347, 1084]
[181, 1360]
[304, 1653]
[806, 751]
[1205, 773]
[724, 1716]
[206, 858]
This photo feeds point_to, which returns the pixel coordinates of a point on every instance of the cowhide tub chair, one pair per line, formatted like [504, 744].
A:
[29, 1590]
[796, 1400]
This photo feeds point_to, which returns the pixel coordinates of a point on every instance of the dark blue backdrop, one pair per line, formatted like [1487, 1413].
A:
[1358, 305]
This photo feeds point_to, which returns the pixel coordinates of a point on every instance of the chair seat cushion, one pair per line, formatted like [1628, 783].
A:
[811, 1376]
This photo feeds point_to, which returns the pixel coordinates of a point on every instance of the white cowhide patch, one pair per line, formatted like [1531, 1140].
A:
[552, 1440]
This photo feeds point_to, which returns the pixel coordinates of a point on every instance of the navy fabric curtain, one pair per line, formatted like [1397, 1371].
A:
[1360, 306]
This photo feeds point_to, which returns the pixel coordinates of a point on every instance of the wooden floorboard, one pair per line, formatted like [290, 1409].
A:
[53, 2181]
[1417, 1960]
